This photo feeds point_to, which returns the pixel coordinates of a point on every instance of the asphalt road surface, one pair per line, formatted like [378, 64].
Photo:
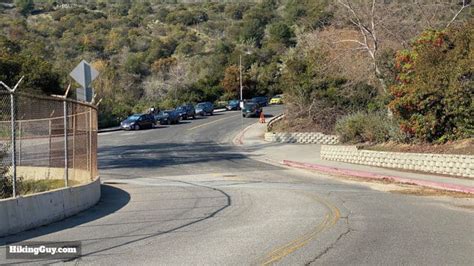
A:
[184, 195]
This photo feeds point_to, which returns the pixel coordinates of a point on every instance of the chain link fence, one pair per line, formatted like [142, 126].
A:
[45, 138]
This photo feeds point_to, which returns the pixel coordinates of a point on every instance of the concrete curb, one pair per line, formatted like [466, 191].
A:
[364, 174]
[220, 110]
[238, 139]
[109, 129]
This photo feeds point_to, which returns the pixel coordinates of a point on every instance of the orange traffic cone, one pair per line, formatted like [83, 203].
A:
[262, 117]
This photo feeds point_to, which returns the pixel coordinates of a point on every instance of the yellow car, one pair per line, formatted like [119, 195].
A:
[277, 99]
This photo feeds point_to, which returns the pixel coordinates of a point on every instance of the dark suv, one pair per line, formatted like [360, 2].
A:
[233, 105]
[251, 109]
[138, 121]
[260, 100]
[167, 117]
[186, 111]
[205, 108]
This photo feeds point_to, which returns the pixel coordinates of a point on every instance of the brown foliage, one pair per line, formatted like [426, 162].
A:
[231, 82]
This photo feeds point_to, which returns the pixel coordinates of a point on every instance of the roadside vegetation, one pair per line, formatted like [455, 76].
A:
[370, 71]
[25, 187]
[6, 186]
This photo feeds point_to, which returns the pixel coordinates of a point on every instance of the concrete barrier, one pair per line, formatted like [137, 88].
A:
[447, 164]
[23, 213]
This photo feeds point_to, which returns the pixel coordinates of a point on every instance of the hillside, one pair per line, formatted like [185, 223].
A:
[163, 53]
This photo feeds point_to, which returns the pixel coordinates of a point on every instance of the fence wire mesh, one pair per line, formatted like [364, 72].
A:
[41, 135]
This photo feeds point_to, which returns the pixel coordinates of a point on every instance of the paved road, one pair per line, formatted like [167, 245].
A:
[183, 195]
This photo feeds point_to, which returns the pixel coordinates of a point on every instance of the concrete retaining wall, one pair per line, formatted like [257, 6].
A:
[305, 137]
[23, 213]
[456, 165]
[297, 137]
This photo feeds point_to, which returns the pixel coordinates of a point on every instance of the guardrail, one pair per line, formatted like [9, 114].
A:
[273, 121]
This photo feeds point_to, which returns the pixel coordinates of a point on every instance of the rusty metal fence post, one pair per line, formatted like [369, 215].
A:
[66, 169]
[13, 130]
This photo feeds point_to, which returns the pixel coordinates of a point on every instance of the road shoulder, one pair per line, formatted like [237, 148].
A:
[307, 156]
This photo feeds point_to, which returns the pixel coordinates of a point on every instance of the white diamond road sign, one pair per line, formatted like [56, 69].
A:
[84, 74]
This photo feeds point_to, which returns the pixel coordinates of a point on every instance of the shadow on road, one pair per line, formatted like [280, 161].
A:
[228, 203]
[162, 155]
[112, 199]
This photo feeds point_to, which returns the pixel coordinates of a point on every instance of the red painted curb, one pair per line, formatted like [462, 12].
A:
[364, 174]
[238, 140]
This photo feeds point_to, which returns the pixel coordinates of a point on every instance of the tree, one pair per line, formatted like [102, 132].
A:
[170, 79]
[368, 31]
[24, 6]
[252, 31]
[434, 97]
[39, 74]
[390, 24]
[231, 82]
[282, 33]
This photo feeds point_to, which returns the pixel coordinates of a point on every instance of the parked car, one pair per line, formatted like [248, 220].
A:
[138, 121]
[186, 111]
[277, 99]
[168, 117]
[260, 100]
[233, 105]
[205, 108]
[251, 109]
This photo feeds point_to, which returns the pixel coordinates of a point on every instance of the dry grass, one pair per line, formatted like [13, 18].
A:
[424, 191]
[388, 185]
[297, 125]
[36, 186]
[464, 147]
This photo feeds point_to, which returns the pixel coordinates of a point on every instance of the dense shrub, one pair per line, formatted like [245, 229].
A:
[319, 95]
[186, 17]
[367, 127]
[434, 95]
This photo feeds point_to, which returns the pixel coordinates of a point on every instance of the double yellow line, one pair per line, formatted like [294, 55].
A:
[330, 219]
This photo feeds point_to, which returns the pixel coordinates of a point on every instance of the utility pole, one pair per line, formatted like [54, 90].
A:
[241, 87]
[241, 103]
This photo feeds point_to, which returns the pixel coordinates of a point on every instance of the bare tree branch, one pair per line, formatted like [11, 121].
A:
[465, 4]
[368, 34]
[354, 41]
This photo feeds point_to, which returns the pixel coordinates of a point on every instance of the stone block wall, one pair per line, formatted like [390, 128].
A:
[301, 137]
[447, 164]
[297, 137]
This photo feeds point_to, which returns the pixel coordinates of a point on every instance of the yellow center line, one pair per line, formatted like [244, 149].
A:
[330, 220]
[212, 122]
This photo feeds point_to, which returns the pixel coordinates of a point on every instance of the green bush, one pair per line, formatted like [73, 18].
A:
[187, 17]
[433, 98]
[367, 127]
